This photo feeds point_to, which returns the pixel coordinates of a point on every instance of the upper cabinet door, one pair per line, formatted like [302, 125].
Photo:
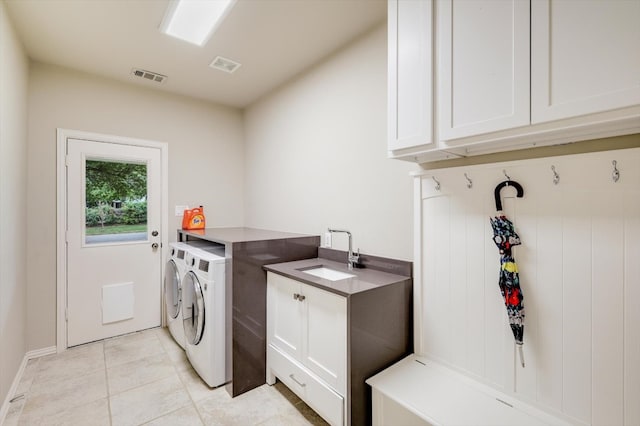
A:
[483, 66]
[585, 57]
[410, 62]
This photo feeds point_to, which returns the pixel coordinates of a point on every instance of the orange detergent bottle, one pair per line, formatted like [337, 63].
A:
[193, 219]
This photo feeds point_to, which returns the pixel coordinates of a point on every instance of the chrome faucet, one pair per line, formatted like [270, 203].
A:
[353, 258]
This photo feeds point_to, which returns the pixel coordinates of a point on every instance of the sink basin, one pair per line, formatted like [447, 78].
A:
[327, 273]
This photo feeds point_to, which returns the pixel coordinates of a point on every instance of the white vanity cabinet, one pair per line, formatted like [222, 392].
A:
[325, 337]
[307, 344]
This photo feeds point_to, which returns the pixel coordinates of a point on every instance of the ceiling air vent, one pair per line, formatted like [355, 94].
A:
[148, 75]
[224, 64]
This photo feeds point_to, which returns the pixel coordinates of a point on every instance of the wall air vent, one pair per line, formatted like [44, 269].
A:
[148, 75]
[224, 64]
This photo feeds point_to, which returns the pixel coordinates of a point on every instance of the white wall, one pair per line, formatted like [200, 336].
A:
[14, 70]
[316, 155]
[205, 162]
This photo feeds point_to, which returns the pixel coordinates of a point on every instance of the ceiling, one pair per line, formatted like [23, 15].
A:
[274, 40]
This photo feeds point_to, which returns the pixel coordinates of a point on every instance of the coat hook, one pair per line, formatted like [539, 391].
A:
[616, 172]
[556, 176]
[437, 183]
[505, 174]
[469, 181]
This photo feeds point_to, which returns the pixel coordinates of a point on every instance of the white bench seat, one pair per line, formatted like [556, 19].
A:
[418, 391]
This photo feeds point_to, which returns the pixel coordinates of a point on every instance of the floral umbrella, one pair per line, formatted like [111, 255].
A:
[505, 237]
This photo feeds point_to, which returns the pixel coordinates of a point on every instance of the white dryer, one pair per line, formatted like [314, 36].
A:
[203, 292]
[174, 271]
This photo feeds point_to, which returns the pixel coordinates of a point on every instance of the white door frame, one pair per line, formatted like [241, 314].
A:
[61, 215]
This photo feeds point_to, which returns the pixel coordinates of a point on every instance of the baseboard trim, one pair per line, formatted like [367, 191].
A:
[41, 352]
[16, 380]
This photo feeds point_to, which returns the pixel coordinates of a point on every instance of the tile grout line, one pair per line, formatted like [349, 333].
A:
[184, 385]
[106, 382]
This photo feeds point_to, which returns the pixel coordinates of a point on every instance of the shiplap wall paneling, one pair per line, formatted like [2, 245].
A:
[463, 316]
[576, 304]
[608, 306]
[547, 348]
[475, 244]
[435, 296]
[524, 214]
[631, 298]
[579, 268]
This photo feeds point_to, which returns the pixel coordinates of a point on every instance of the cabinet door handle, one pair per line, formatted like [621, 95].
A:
[301, 297]
[295, 296]
[294, 379]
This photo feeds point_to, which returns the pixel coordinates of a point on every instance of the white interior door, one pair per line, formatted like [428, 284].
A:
[114, 259]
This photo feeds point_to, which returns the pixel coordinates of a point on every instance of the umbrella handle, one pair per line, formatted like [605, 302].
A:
[504, 184]
[521, 355]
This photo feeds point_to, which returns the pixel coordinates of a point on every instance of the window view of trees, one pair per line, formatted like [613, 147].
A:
[116, 197]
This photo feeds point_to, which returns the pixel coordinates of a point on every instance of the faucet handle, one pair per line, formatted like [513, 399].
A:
[355, 260]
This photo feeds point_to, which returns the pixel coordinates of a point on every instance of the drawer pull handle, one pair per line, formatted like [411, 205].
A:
[294, 379]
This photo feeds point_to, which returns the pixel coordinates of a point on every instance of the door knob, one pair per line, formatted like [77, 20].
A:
[154, 246]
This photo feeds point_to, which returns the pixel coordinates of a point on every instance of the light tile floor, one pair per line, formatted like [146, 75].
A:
[142, 378]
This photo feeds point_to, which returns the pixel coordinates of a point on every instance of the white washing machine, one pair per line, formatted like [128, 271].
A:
[174, 271]
[203, 290]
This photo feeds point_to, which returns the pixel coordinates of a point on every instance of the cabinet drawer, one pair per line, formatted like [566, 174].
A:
[326, 402]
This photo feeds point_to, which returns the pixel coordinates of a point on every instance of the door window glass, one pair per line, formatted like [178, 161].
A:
[116, 202]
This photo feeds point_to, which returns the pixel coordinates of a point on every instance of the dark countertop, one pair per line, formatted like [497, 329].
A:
[364, 280]
[239, 235]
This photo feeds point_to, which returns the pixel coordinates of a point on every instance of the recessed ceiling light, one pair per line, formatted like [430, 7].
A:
[194, 20]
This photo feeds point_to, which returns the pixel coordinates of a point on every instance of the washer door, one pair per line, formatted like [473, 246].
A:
[192, 309]
[172, 289]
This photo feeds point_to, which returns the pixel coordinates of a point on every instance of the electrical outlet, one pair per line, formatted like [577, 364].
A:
[180, 210]
[327, 239]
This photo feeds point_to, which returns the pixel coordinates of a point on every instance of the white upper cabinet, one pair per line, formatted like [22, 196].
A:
[410, 74]
[483, 66]
[470, 77]
[585, 57]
